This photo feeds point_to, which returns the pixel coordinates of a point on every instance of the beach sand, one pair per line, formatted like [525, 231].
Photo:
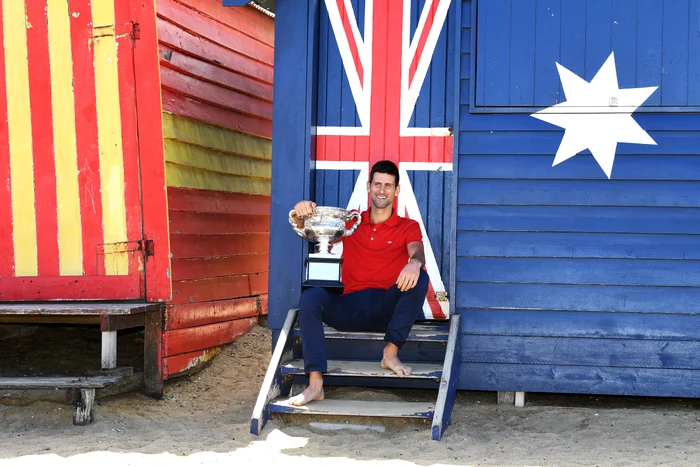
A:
[204, 420]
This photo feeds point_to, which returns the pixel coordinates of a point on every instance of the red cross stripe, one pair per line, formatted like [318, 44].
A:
[386, 71]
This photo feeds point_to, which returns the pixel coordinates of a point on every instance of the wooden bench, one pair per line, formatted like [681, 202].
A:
[111, 317]
[80, 391]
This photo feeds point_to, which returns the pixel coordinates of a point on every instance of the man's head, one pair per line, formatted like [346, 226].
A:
[383, 184]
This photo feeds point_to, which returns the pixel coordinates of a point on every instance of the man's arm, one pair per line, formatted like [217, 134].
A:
[408, 277]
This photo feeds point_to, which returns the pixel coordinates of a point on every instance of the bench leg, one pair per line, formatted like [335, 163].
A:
[153, 354]
[109, 349]
[83, 408]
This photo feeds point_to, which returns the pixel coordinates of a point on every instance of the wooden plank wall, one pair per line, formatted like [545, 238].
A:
[566, 281]
[216, 73]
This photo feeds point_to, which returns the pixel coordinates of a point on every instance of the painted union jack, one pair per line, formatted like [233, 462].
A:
[386, 69]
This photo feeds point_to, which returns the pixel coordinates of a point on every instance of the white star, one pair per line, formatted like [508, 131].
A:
[596, 115]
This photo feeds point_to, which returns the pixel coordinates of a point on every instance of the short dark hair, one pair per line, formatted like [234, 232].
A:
[385, 167]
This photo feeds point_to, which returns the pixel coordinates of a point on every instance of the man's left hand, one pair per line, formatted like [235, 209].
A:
[408, 278]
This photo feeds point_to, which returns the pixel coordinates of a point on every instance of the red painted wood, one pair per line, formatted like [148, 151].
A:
[218, 288]
[70, 287]
[152, 160]
[7, 257]
[42, 139]
[200, 25]
[421, 42]
[193, 66]
[184, 41]
[252, 23]
[204, 337]
[214, 94]
[263, 304]
[199, 246]
[185, 107]
[199, 268]
[173, 366]
[184, 222]
[189, 315]
[86, 133]
[354, 51]
[183, 199]
[127, 103]
[258, 283]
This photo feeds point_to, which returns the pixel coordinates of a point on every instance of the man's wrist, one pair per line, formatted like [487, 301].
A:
[415, 259]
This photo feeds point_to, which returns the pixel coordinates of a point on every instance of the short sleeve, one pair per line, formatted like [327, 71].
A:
[413, 233]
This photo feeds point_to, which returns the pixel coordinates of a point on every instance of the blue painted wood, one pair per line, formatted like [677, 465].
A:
[565, 351]
[694, 51]
[579, 271]
[577, 245]
[590, 219]
[582, 324]
[547, 142]
[448, 383]
[515, 122]
[538, 167]
[579, 298]
[650, 63]
[235, 2]
[580, 379]
[674, 90]
[294, 113]
[650, 39]
[580, 193]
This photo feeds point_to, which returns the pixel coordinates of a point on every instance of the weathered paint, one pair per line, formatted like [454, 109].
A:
[216, 69]
[70, 164]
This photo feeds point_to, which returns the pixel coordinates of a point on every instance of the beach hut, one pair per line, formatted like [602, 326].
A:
[549, 150]
[135, 163]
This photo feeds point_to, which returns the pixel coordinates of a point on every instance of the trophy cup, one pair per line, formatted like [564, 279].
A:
[325, 227]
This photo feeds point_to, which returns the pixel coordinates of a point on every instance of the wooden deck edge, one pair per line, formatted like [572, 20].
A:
[448, 383]
[271, 386]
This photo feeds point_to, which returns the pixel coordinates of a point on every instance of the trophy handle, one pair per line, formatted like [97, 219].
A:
[353, 215]
[293, 223]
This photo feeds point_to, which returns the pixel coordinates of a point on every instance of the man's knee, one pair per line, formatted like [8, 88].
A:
[312, 299]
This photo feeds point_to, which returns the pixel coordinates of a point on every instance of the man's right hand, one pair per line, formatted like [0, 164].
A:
[304, 208]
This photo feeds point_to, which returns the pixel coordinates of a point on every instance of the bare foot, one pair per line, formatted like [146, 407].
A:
[311, 393]
[392, 362]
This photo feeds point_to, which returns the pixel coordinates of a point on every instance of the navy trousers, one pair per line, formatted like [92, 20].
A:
[376, 310]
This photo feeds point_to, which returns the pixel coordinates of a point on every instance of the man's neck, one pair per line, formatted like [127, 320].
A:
[377, 216]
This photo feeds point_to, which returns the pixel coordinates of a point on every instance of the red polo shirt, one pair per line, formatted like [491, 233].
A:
[375, 254]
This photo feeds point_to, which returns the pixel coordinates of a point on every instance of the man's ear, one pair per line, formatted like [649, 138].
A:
[367, 187]
[398, 189]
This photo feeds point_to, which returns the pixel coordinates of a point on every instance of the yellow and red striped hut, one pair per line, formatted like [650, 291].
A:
[135, 171]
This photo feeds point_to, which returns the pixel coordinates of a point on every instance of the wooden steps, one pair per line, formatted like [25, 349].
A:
[350, 408]
[354, 360]
[366, 369]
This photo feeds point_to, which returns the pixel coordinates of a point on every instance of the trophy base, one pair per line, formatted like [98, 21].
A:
[323, 270]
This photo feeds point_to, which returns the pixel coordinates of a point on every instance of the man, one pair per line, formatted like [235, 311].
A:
[385, 283]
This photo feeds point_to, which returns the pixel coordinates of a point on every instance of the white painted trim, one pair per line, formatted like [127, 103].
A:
[341, 165]
[408, 104]
[437, 131]
[427, 166]
[341, 130]
[346, 55]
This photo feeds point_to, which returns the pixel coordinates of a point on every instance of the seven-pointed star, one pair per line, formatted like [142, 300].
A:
[596, 115]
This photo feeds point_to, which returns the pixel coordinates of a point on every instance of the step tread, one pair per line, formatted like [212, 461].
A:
[419, 333]
[358, 408]
[367, 369]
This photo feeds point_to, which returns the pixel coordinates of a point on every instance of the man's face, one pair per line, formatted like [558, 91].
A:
[382, 189]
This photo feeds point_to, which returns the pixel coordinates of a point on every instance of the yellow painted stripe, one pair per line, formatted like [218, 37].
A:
[206, 159]
[70, 244]
[186, 177]
[215, 137]
[19, 124]
[109, 132]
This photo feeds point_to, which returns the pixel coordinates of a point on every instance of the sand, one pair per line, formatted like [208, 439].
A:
[204, 420]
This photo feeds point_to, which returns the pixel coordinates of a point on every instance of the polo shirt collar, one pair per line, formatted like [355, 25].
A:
[390, 222]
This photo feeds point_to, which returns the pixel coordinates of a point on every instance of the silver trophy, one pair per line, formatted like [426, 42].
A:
[325, 227]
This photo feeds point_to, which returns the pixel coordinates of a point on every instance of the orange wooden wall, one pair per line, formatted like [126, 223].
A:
[216, 74]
